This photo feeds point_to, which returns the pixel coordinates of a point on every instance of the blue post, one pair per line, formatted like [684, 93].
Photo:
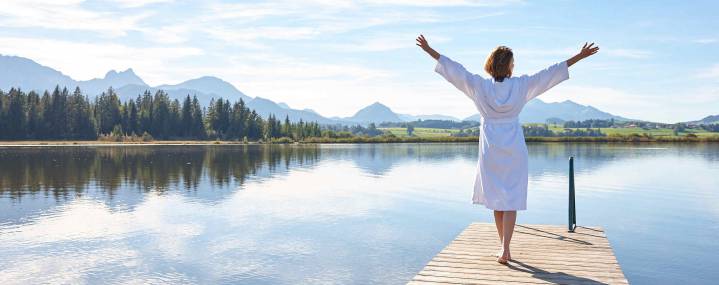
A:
[572, 208]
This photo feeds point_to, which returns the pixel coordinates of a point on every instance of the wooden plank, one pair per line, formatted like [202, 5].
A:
[541, 254]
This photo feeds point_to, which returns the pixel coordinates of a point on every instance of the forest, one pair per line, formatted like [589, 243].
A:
[65, 115]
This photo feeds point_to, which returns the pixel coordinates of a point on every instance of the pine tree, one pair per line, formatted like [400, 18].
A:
[56, 116]
[3, 118]
[132, 121]
[145, 104]
[80, 122]
[107, 111]
[15, 118]
[160, 116]
[45, 117]
[186, 118]
[287, 127]
[175, 127]
[34, 115]
[198, 126]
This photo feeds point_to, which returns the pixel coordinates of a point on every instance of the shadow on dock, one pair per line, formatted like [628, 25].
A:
[540, 233]
[552, 277]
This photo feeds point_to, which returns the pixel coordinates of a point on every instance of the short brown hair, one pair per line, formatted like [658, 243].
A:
[498, 62]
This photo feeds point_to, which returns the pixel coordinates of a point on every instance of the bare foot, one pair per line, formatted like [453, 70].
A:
[505, 257]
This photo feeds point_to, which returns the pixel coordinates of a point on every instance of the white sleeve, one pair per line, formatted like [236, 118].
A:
[456, 74]
[542, 81]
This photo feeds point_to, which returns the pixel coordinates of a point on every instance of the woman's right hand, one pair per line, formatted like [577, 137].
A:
[422, 43]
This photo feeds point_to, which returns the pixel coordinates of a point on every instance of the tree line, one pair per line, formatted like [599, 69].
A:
[64, 115]
[436, 124]
[536, 130]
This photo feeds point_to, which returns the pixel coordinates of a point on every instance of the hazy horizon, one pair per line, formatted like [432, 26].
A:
[336, 57]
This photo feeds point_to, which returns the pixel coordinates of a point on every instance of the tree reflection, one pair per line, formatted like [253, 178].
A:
[65, 172]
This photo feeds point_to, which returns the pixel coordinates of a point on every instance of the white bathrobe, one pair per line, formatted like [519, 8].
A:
[501, 181]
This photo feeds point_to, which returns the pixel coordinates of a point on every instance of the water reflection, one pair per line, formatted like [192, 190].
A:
[339, 214]
[66, 172]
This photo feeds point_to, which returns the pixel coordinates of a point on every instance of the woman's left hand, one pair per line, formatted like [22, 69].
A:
[588, 50]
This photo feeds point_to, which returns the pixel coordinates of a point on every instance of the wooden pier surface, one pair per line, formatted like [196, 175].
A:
[541, 254]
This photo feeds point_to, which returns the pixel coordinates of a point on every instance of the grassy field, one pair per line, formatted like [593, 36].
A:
[639, 131]
[421, 132]
[422, 135]
[430, 132]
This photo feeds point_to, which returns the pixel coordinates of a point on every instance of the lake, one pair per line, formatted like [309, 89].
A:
[332, 214]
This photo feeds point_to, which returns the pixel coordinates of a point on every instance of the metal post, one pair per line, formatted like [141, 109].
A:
[572, 208]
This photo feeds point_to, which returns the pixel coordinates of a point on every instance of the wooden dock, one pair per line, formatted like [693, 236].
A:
[541, 254]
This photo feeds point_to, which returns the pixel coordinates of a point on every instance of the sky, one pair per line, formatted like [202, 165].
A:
[658, 59]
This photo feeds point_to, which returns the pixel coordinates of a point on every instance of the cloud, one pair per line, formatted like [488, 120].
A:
[247, 24]
[171, 34]
[531, 52]
[82, 60]
[706, 41]
[569, 51]
[711, 72]
[299, 70]
[67, 15]
[263, 32]
[382, 42]
[139, 3]
[247, 11]
[444, 3]
[627, 53]
[329, 55]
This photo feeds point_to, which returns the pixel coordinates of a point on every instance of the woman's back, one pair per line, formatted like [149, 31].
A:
[505, 99]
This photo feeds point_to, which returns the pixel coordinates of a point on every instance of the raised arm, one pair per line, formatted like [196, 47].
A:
[422, 42]
[542, 81]
[587, 50]
[452, 71]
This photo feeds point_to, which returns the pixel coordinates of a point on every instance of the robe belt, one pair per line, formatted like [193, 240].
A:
[500, 120]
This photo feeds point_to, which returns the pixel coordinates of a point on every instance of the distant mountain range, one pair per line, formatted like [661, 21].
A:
[538, 111]
[714, 119]
[27, 74]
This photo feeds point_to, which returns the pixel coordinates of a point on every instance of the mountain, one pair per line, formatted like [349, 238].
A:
[538, 111]
[112, 78]
[205, 88]
[27, 74]
[410, 118]
[209, 85]
[265, 107]
[20, 72]
[708, 120]
[309, 110]
[132, 90]
[375, 113]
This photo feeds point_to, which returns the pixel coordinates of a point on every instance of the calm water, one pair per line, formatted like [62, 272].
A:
[331, 214]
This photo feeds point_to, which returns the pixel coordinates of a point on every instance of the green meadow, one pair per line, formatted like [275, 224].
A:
[655, 132]
[622, 131]
[421, 132]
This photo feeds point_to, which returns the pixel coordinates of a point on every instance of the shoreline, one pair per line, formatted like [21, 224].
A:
[361, 140]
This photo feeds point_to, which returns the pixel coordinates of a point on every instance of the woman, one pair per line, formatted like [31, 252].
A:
[501, 181]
